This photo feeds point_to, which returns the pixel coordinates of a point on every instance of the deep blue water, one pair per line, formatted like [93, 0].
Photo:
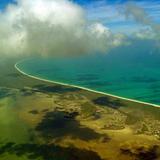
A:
[131, 71]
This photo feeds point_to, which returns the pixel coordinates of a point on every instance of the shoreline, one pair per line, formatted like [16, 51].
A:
[84, 88]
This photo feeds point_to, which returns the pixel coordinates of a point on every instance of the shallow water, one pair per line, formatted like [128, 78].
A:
[12, 128]
[129, 72]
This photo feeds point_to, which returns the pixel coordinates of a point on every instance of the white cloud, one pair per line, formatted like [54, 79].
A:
[152, 30]
[145, 33]
[51, 27]
[137, 13]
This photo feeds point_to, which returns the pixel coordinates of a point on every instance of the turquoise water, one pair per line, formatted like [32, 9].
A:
[131, 71]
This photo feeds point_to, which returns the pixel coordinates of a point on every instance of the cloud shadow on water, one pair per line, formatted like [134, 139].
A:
[58, 124]
[48, 151]
[55, 88]
[106, 101]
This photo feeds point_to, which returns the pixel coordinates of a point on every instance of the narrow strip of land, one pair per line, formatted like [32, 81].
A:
[84, 88]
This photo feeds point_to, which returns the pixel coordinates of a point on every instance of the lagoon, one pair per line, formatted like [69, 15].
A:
[122, 72]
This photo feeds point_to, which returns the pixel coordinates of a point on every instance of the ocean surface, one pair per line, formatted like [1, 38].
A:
[131, 71]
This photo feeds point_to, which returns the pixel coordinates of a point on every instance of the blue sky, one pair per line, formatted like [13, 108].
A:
[4, 3]
[107, 12]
